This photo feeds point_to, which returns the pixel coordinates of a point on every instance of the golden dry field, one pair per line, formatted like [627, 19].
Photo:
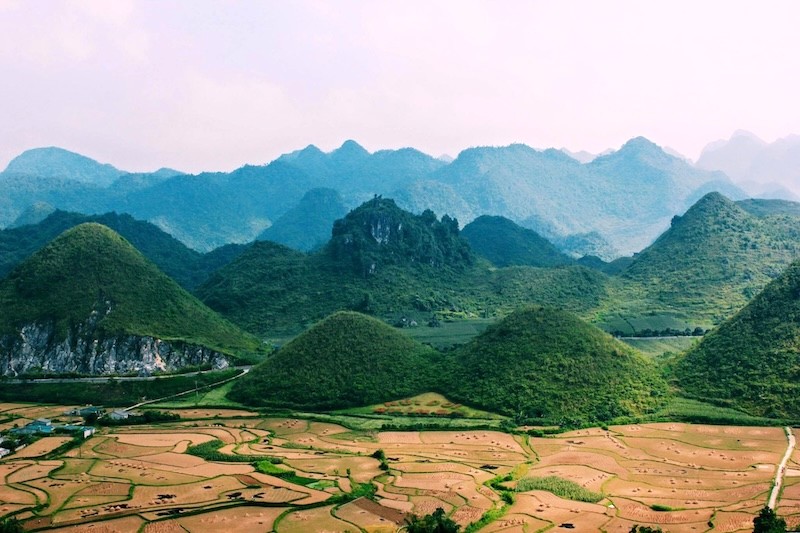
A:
[294, 475]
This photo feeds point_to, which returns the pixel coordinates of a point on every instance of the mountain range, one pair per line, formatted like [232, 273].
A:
[765, 170]
[642, 187]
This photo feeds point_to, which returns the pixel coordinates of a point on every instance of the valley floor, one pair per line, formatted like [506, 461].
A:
[235, 470]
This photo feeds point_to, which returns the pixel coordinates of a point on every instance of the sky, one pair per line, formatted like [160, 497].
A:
[200, 85]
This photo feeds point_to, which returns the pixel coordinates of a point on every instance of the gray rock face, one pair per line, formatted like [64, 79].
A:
[35, 347]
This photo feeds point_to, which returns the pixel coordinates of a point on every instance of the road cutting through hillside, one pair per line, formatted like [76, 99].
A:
[776, 488]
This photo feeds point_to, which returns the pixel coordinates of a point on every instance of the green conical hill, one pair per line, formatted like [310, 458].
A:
[753, 359]
[91, 278]
[346, 360]
[547, 364]
[716, 256]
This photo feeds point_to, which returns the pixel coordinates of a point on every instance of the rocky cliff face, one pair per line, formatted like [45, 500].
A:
[35, 347]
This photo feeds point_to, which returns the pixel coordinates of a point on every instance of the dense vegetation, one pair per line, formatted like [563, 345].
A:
[92, 282]
[752, 361]
[427, 271]
[378, 233]
[504, 243]
[547, 365]
[641, 187]
[347, 360]
[563, 488]
[112, 393]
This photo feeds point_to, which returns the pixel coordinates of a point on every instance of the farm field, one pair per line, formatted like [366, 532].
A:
[291, 474]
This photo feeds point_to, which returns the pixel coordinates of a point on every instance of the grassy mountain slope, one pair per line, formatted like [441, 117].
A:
[763, 208]
[504, 243]
[715, 257]
[753, 359]
[188, 267]
[346, 360]
[91, 272]
[547, 364]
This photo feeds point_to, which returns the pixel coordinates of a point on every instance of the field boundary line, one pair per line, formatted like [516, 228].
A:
[184, 393]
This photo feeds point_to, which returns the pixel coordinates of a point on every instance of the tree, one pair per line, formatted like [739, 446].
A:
[645, 529]
[768, 522]
[11, 525]
[437, 522]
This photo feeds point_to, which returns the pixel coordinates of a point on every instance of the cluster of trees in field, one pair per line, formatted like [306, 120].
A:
[666, 332]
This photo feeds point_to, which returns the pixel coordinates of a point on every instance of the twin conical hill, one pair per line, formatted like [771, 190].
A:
[547, 364]
[88, 285]
[346, 360]
[753, 359]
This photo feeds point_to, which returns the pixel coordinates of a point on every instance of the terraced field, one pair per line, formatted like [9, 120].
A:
[292, 475]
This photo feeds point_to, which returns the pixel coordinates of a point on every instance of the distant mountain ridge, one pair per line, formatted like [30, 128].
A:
[641, 187]
[308, 224]
[768, 170]
[55, 162]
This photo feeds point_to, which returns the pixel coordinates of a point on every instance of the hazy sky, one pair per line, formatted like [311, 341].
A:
[213, 85]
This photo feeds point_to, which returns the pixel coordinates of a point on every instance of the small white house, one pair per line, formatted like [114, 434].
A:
[119, 415]
[4, 452]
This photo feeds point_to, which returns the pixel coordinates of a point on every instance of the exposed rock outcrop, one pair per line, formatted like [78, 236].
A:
[36, 348]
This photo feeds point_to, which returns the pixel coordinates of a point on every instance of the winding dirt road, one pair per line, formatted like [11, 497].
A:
[776, 489]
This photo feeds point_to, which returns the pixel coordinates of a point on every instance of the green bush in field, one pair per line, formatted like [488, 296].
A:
[563, 488]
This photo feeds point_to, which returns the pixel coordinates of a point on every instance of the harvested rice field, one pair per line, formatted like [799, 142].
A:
[218, 472]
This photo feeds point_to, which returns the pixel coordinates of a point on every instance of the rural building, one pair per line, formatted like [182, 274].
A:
[84, 412]
[82, 430]
[120, 414]
[4, 452]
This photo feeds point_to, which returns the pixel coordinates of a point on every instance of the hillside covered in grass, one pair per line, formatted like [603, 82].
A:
[715, 257]
[186, 266]
[347, 360]
[752, 361]
[91, 281]
[545, 364]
